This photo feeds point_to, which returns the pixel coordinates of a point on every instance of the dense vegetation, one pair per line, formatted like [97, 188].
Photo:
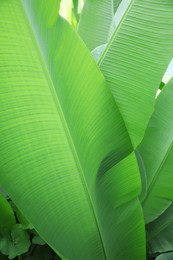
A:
[86, 147]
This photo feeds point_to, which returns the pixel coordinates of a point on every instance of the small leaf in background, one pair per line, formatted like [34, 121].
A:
[7, 218]
[37, 240]
[14, 243]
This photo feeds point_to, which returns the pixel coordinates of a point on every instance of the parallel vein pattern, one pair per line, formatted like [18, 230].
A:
[159, 232]
[135, 59]
[32, 127]
[61, 132]
[156, 150]
[95, 22]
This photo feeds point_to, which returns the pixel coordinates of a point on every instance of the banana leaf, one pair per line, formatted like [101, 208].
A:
[95, 21]
[160, 233]
[157, 155]
[64, 144]
[133, 62]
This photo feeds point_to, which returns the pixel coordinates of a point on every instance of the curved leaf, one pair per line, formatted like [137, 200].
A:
[114, 189]
[133, 62]
[95, 21]
[61, 132]
[160, 232]
[15, 242]
[167, 256]
[98, 51]
[156, 150]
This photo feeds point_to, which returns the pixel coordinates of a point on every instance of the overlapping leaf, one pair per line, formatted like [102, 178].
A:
[133, 62]
[160, 233]
[157, 154]
[95, 21]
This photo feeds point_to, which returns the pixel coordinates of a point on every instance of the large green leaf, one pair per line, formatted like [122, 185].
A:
[120, 12]
[157, 153]
[13, 239]
[160, 232]
[113, 200]
[63, 141]
[98, 51]
[136, 58]
[95, 21]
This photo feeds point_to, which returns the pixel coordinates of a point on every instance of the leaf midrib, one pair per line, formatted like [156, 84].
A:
[115, 32]
[65, 127]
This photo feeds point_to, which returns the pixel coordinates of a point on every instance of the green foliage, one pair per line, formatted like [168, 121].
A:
[167, 256]
[17, 236]
[158, 146]
[15, 242]
[86, 148]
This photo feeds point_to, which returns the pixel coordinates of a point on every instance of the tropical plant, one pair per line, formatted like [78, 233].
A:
[86, 148]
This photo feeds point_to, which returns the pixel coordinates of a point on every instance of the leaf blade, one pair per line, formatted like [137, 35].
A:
[159, 232]
[94, 23]
[133, 63]
[158, 160]
[48, 140]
